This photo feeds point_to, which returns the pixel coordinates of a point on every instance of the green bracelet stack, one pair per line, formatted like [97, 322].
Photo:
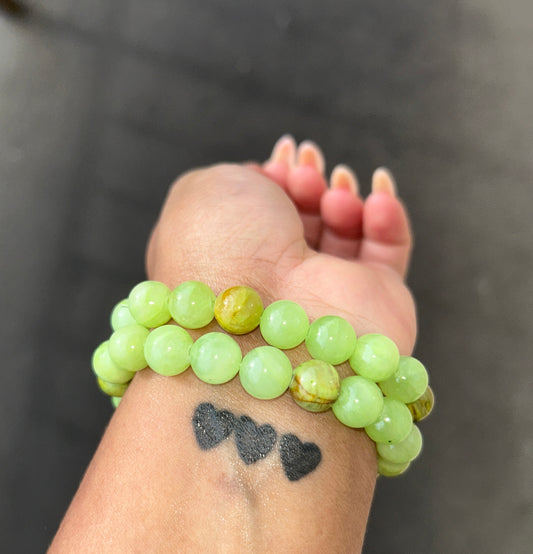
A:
[386, 394]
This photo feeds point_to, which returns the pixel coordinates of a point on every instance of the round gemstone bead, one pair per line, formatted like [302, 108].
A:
[191, 304]
[115, 401]
[375, 357]
[403, 451]
[360, 402]
[121, 315]
[126, 347]
[315, 385]
[331, 338]
[147, 303]
[105, 368]
[215, 358]
[390, 469]
[423, 406]
[167, 350]
[393, 425]
[238, 310]
[408, 382]
[112, 389]
[265, 372]
[284, 324]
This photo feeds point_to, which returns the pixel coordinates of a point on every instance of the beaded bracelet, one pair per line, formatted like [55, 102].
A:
[386, 394]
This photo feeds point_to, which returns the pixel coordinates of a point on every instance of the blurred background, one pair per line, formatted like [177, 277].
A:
[103, 104]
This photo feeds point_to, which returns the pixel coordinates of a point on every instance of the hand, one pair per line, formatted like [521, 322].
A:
[278, 228]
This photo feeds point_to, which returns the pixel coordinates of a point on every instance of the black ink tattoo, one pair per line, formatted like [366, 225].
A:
[211, 426]
[254, 442]
[298, 458]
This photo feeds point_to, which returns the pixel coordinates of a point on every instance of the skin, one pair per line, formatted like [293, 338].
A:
[277, 228]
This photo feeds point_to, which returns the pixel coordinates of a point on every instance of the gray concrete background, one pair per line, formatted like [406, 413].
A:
[103, 103]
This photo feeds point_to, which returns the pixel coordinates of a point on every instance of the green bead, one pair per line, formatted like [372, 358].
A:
[331, 338]
[423, 406]
[404, 451]
[390, 469]
[112, 389]
[284, 324]
[360, 402]
[265, 372]
[215, 358]
[167, 350]
[238, 310]
[148, 303]
[393, 425]
[191, 304]
[315, 385]
[115, 401]
[408, 382]
[126, 347]
[375, 357]
[121, 315]
[105, 368]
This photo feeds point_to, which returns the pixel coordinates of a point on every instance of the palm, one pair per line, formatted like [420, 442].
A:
[228, 225]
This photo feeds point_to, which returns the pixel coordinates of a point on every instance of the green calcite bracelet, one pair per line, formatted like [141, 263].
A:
[387, 394]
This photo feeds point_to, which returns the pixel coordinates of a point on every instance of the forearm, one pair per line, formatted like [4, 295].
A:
[154, 485]
[190, 467]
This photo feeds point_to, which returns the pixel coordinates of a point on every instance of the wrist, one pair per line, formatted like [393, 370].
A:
[378, 398]
[235, 396]
[350, 447]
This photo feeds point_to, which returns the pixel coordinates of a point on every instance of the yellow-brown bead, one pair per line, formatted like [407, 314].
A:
[315, 385]
[238, 310]
[422, 407]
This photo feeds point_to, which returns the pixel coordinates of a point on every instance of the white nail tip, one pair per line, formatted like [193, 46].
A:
[343, 177]
[284, 150]
[383, 181]
[308, 150]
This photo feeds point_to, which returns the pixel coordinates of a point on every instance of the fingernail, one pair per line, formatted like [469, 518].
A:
[342, 177]
[284, 150]
[383, 181]
[309, 153]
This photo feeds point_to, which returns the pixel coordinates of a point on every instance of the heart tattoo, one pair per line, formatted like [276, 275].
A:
[298, 458]
[253, 441]
[211, 426]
